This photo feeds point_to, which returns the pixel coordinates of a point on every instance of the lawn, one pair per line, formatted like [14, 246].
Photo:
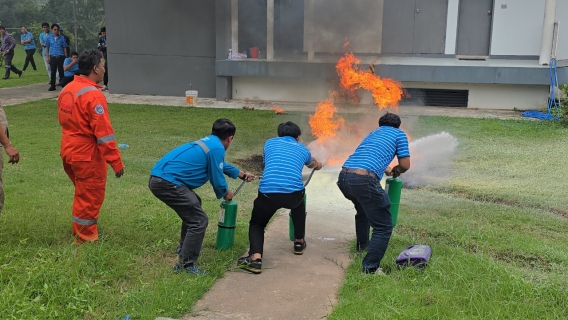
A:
[30, 76]
[497, 228]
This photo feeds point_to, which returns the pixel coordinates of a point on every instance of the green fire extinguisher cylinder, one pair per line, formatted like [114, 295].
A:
[394, 190]
[291, 223]
[227, 225]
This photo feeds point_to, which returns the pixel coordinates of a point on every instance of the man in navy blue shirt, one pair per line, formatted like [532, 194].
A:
[281, 186]
[187, 167]
[360, 182]
[55, 53]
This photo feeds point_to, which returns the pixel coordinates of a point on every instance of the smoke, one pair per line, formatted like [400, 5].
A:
[431, 160]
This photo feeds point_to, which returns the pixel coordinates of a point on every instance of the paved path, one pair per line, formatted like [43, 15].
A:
[290, 286]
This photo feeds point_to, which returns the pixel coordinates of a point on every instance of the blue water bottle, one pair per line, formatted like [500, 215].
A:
[122, 145]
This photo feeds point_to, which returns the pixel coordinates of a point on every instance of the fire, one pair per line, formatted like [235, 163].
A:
[324, 123]
[278, 110]
[386, 92]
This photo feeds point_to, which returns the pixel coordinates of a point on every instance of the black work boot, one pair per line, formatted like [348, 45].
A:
[7, 75]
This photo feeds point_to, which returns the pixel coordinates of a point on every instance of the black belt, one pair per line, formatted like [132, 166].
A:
[55, 56]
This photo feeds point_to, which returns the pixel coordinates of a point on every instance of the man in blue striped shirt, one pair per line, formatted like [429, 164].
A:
[281, 186]
[187, 167]
[360, 182]
[55, 52]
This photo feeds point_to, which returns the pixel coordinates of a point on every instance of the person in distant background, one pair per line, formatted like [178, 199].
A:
[27, 39]
[7, 49]
[42, 39]
[55, 50]
[67, 40]
[70, 67]
[102, 46]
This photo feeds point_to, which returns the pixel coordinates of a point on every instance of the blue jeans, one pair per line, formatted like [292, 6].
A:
[373, 210]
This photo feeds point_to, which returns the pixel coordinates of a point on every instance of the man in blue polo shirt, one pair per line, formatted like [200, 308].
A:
[360, 182]
[55, 52]
[187, 167]
[281, 186]
[27, 39]
[70, 67]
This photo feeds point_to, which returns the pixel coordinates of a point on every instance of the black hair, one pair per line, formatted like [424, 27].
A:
[390, 120]
[45, 24]
[74, 53]
[2, 28]
[103, 29]
[88, 60]
[55, 25]
[223, 128]
[289, 129]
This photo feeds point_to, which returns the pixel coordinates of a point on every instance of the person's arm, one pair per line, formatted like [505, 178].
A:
[215, 172]
[100, 123]
[47, 50]
[66, 50]
[8, 147]
[234, 172]
[11, 44]
[70, 64]
[403, 156]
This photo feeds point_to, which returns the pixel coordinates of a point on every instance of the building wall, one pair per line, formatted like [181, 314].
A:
[452, 27]
[161, 47]
[562, 16]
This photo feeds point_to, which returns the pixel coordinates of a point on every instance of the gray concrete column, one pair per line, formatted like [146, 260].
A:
[269, 29]
[547, 32]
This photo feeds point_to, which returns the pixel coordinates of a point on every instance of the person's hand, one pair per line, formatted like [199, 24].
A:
[12, 153]
[388, 171]
[22, 42]
[47, 59]
[229, 196]
[119, 173]
[7, 51]
[319, 166]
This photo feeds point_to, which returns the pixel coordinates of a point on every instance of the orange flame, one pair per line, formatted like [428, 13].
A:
[278, 110]
[324, 123]
[386, 92]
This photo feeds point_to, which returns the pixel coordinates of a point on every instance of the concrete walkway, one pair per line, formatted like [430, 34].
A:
[290, 286]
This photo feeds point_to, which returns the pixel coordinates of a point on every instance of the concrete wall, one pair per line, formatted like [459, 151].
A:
[161, 47]
[481, 96]
[452, 26]
[562, 17]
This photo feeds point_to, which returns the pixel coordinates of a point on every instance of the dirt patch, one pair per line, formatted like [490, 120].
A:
[521, 260]
[253, 164]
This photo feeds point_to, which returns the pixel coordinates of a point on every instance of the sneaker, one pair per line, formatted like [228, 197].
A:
[178, 250]
[299, 247]
[105, 88]
[189, 269]
[246, 263]
[377, 271]
[51, 89]
[20, 74]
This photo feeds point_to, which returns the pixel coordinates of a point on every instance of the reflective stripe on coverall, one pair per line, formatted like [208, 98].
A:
[87, 145]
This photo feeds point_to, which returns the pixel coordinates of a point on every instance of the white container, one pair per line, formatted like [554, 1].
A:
[191, 97]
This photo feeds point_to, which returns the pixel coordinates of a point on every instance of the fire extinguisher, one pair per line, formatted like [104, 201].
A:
[394, 190]
[291, 223]
[227, 222]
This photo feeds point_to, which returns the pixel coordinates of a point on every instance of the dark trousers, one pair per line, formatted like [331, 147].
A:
[105, 77]
[8, 64]
[30, 59]
[187, 205]
[373, 210]
[66, 81]
[265, 205]
[56, 64]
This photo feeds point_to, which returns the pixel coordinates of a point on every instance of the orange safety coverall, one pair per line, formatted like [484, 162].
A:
[87, 145]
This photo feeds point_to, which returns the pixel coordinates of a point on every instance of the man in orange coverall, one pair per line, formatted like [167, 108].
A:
[87, 143]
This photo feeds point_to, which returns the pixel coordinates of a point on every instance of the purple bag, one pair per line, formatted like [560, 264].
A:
[416, 256]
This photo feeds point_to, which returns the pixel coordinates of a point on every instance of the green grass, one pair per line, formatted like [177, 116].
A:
[497, 228]
[30, 76]
[498, 231]
[44, 276]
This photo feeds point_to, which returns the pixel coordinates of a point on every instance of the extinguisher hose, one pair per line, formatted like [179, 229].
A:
[310, 177]
[239, 188]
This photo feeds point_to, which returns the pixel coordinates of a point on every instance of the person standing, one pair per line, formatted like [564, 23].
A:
[7, 49]
[42, 39]
[360, 182]
[187, 167]
[8, 148]
[67, 41]
[27, 39]
[87, 144]
[70, 67]
[281, 186]
[55, 51]
[103, 48]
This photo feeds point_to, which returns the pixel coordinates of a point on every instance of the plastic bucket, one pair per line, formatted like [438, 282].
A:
[191, 97]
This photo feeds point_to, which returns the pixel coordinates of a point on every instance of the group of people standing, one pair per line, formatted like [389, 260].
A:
[60, 62]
